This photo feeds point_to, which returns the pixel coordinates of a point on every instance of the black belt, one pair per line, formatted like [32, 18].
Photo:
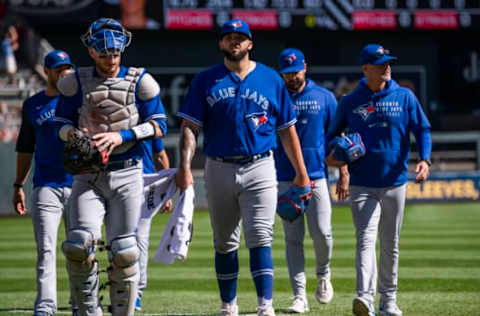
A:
[121, 164]
[243, 160]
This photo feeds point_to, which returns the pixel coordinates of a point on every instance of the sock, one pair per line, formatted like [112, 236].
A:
[226, 266]
[261, 266]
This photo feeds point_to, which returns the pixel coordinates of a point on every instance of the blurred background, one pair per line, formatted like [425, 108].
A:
[436, 41]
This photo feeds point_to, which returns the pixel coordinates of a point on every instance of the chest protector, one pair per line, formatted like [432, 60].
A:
[108, 103]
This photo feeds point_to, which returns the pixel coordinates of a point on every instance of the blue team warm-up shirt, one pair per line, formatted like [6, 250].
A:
[149, 148]
[239, 117]
[148, 110]
[315, 108]
[38, 135]
[384, 120]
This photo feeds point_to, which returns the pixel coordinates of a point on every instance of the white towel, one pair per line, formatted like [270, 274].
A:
[178, 233]
[158, 188]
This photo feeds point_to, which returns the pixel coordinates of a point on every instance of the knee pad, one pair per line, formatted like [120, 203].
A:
[124, 251]
[79, 248]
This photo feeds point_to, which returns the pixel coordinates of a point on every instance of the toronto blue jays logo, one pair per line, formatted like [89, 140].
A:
[365, 110]
[381, 50]
[291, 58]
[257, 119]
[62, 55]
[236, 24]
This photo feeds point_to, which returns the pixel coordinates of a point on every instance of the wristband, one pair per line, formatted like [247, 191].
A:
[428, 161]
[18, 185]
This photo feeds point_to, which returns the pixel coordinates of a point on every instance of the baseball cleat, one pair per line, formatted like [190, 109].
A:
[324, 292]
[362, 307]
[265, 310]
[299, 305]
[229, 309]
[389, 309]
[138, 304]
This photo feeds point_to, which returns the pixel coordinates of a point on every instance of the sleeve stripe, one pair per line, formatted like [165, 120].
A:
[188, 117]
[288, 124]
[62, 120]
[156, 116]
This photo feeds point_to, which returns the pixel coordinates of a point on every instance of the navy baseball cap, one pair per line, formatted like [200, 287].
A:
[236, 26]
[290, 60]
[57, 58]
[375, 54]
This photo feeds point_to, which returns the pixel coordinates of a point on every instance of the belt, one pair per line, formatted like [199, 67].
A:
[121, 164]
[243, 160]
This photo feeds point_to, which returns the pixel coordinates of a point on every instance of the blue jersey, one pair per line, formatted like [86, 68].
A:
[239, 117]
[38, 136]
[148, 110]
[384, 120]
[149, 148]
[315, 108]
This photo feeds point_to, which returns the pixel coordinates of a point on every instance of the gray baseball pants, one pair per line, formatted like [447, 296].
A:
[377, 210]
[319, 220]
[143, 240]
[244, 194]
[48, 205]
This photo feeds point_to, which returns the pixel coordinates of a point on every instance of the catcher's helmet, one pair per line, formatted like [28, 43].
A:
[107, 36]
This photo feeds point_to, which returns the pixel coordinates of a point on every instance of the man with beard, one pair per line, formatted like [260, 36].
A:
[315, 107]
[384, 114]
[240, 104]
[118, 107]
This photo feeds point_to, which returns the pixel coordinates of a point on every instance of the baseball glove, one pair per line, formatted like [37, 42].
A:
[294, 202]
[348, 148]
[81, 156]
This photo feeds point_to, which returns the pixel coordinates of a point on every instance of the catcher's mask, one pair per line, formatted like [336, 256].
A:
[107, 37]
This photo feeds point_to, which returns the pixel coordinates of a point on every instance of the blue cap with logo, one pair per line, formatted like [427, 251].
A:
[375, 54]
[236, 26]
[57, 58]
[291, 60]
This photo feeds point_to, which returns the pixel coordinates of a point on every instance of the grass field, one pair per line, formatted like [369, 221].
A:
[439, 267]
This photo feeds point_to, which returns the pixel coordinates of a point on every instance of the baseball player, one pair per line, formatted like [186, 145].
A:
[240, 104]
[315, 107]
[118, 107]
[52, 184]
[154, 159]
[384, 114]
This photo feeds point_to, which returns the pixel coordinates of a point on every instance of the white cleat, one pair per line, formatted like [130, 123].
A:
[266, 310]
[389, 309]
[362, 307]
[229, 309]
[324, 292]
[299, 305]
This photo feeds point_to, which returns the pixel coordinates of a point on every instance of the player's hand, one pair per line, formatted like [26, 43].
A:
[183, 178]
[19, 204]
[343, 184]
[301, 180]
[331, 161]
[167, 208]
[422, 170]
[107, 141]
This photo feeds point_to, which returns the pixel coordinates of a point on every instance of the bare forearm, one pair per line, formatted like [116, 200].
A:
[24, 162]
[161, 161]
[188, 143]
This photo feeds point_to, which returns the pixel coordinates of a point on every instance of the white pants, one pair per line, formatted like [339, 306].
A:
[377, 210]
[319, 217]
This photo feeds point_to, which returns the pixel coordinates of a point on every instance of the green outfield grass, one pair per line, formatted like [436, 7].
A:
[439, 267]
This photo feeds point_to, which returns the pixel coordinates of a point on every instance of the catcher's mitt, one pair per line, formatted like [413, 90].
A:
[348, 148]
[81, 156]
[294, 202]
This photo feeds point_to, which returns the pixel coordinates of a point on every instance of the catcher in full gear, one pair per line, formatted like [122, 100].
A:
[109, 110]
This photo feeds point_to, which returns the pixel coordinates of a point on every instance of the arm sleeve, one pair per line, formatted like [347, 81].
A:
[151, 108]
[331, 106]
[157, 145]
[338, 123]
[420, 126]
[286, 113]
[26, 136]
[193, 108]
